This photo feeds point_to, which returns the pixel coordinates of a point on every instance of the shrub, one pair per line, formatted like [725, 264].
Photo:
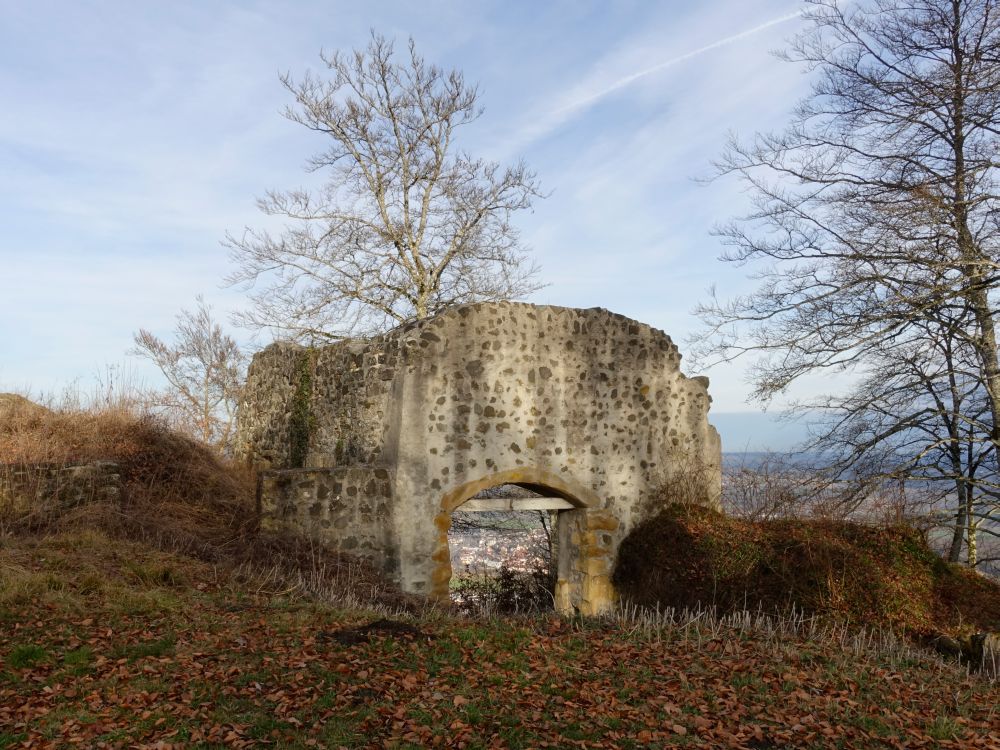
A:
[863, 574]
[505, 592]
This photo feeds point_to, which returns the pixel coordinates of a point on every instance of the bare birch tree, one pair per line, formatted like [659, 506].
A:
[204, 369]
[877, 207]
[406, 223]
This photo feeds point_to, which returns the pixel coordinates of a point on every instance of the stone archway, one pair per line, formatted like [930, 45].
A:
[368, 445]
[585, 546]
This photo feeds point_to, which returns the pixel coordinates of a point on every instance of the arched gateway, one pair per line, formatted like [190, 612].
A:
[369, 445]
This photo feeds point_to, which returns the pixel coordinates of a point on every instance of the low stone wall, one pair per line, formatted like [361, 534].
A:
[348, 509]
[26, 488]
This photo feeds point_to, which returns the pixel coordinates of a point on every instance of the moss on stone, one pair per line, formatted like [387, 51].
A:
[301, 420]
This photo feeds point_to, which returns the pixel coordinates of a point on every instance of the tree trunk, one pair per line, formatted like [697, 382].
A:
[973, 526]
[975, 263]
[958, 535]
[988, 357]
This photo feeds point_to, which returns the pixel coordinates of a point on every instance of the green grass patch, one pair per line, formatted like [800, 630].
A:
[157, 648]
[11, 739]
[26, 656]
[155, 574]
[78, 660]
[943, 728]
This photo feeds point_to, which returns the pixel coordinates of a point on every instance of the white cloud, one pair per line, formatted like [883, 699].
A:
[140, 133]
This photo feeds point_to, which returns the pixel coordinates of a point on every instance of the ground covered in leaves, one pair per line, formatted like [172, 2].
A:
[107, 644]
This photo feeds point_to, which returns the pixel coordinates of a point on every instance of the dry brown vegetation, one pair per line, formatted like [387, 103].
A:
[867, 575]
[176, 494]
[161, 618]
[173, 487]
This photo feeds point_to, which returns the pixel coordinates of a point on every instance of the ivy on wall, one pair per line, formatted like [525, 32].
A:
[301, 420]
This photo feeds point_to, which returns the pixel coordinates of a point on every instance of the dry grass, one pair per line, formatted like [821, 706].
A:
[174, 489]
[703, 624]
[176, 495]
[287, 565]
[85, 568]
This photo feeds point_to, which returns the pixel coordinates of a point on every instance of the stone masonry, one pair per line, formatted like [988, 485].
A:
[26, 487]
[369, 445]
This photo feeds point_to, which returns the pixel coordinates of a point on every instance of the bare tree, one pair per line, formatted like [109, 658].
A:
[768, 488]
[919, 416]
[877, 208]
[405, 225]
[204, 368]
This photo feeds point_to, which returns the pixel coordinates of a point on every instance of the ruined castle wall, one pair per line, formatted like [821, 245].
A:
[587, 404]
[508, 389]
[347, 509]
[318, 407]
[27, 487]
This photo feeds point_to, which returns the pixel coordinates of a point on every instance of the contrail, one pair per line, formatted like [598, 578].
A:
[553, 118]
[623, 82]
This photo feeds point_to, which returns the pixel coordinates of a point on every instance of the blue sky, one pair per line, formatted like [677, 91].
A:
[134, 135]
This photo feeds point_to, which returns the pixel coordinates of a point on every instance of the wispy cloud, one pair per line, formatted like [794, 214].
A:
[596, 87]
[585, 101]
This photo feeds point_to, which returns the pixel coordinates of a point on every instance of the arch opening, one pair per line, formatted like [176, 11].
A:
[503, 550]
[535, 480]
[507, 541]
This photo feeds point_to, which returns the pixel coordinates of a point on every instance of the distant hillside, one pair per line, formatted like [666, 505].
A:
[755, 459]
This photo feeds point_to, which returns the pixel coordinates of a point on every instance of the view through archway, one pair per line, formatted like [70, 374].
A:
[503, 544]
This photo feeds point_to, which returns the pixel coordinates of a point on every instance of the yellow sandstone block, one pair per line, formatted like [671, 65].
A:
[563, 601]
[601, 521]
[597, 566]
[598, 595]
[441, 575]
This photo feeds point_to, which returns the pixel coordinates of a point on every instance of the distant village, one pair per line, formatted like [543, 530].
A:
[477, 550]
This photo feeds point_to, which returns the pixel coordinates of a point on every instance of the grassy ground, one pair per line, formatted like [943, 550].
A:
[112, 644]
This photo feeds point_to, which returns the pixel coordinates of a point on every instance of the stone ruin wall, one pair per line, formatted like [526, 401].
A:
[385, 437]
[348, 509]
[57, 487]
